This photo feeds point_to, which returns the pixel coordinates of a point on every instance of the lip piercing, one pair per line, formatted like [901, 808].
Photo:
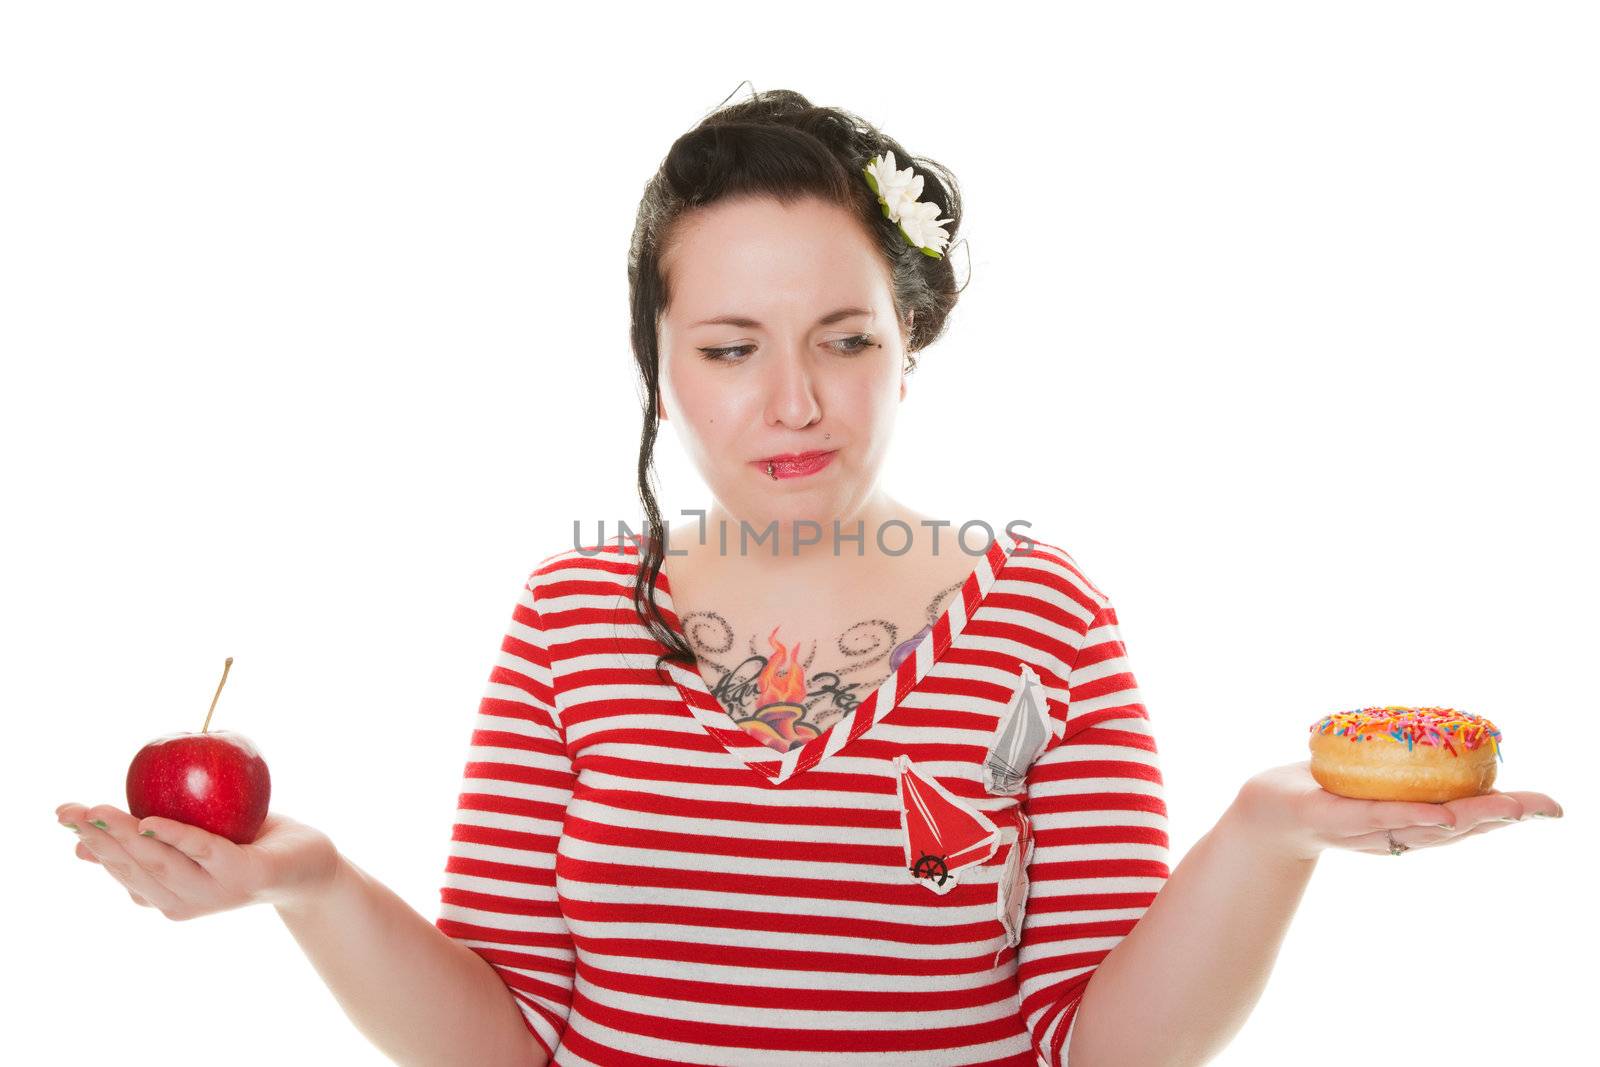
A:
[1394, 848]
[772, 471]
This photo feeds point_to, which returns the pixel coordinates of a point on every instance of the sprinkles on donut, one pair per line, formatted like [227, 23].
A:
[1401, 753]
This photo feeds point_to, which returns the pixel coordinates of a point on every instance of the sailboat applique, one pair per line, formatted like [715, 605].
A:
[1011, 894]
[943, 834]
[1020, 736]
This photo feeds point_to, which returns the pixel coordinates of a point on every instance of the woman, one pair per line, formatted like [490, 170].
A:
[816, 796]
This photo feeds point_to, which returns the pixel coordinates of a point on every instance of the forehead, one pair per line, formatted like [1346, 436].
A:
[756, 257]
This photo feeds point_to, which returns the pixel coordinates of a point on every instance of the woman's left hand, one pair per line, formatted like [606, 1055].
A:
[1289, 812]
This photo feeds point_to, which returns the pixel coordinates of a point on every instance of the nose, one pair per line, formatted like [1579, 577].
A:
[791, 396]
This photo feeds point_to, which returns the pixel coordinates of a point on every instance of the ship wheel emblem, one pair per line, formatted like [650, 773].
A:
[931, 867]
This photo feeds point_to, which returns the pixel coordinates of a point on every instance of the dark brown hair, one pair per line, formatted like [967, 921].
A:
[775, 144]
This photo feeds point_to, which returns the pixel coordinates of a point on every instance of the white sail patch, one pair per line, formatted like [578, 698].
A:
[1020, 736]
[1011, 894]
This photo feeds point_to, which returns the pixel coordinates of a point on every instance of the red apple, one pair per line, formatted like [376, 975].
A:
[214, 780]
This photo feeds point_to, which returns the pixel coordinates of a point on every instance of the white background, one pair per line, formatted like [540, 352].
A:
[1281, 321]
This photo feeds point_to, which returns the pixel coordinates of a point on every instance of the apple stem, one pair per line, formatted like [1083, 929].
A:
[225, 665]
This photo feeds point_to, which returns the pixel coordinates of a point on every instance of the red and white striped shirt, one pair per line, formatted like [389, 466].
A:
[655, 885]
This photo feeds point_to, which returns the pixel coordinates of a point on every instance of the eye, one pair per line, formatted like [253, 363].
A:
[717, 355]
[859, 343]
[849, 346]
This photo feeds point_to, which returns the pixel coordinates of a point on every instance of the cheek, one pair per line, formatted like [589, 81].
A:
[879, 406]
[709, 405]
[681, 389]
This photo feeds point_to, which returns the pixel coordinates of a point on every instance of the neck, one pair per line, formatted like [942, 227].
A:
[778, 557]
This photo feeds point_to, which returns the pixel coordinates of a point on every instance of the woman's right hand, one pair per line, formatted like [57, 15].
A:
[185, 872]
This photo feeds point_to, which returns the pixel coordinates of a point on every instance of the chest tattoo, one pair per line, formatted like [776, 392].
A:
[784, 693]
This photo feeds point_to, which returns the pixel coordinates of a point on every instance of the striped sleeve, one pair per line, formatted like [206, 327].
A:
[499, 894]
[1097, 806]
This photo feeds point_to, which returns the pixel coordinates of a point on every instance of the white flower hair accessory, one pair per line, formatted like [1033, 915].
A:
[898, 191]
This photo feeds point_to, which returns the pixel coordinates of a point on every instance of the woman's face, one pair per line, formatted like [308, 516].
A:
[795, 375]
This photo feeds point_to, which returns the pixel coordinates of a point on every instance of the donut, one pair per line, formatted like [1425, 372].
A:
[1430, 755]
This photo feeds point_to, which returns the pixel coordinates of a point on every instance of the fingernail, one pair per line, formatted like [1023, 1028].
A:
[147, 833]
[1543, 815]
[100, 823]
[71, 824]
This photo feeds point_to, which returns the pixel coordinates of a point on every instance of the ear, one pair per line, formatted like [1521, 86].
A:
[911, 318]
[661, 409]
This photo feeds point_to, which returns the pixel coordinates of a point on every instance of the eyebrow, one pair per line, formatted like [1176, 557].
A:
[751, 324]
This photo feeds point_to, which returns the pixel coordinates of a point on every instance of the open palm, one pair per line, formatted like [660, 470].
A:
[185, 871]
[1288, 806]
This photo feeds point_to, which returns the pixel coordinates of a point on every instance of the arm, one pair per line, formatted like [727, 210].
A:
[499, 895]
[1139, 969]
[1096, 801]
[490, 980]
[417, 995]
[1178, 988]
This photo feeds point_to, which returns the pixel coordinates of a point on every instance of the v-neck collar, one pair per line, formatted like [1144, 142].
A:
[780, 767]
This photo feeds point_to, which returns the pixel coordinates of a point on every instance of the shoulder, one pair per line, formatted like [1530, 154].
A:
[593, 566]
[1048, 562]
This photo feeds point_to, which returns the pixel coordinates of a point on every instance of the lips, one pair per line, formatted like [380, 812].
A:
[794, 464]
